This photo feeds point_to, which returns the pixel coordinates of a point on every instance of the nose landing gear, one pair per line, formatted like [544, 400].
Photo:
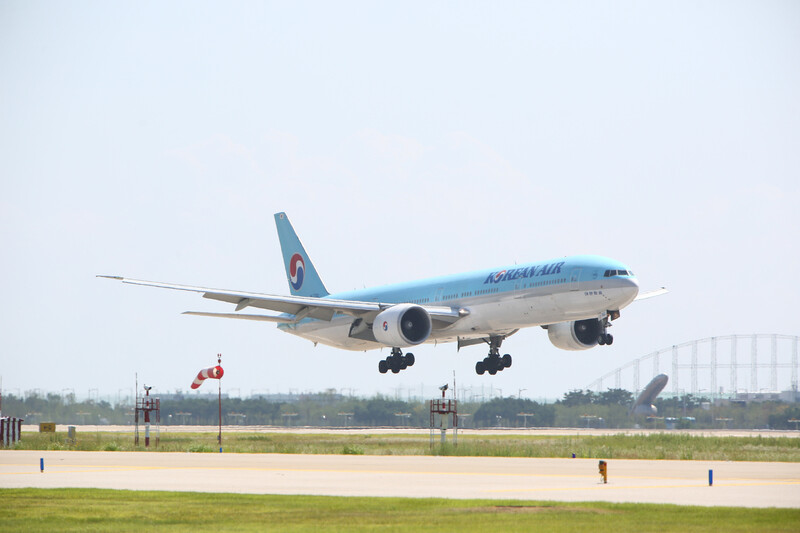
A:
[605, 337]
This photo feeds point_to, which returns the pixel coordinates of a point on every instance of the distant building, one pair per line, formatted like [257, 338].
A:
[790, 396]
[179, 396]
[757, 397]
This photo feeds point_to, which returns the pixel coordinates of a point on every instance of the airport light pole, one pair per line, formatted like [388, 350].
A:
[525, 416]
[347, 417]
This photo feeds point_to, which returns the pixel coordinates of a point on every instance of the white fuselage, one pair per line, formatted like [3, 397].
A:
[494, 302]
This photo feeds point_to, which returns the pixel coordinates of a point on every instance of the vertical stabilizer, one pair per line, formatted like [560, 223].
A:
[300, 272]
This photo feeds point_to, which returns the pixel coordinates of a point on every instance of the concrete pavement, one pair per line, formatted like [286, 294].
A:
[739, 484]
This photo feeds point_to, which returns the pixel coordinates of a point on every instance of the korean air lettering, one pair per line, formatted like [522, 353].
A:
[527, 272]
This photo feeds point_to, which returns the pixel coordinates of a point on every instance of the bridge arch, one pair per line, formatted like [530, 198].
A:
[714, 366]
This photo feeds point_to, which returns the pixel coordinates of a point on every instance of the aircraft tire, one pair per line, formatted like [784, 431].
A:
[506, 360]
[480, 368]
[383, 366]
[410, 359]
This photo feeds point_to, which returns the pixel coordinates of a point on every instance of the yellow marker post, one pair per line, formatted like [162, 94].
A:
[603, 467]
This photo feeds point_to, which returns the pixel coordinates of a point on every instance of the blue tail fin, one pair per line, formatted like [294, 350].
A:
[300, 272]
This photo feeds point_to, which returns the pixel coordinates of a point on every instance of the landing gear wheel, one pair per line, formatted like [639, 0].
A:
[396, 362]
[494, 362]
[605, 338]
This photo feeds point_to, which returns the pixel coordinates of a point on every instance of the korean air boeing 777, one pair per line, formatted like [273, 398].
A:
[573, 298]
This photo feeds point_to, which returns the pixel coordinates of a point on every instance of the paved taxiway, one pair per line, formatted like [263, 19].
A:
[740, 484]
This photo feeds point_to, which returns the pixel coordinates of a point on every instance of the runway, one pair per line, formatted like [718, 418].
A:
[738, 484]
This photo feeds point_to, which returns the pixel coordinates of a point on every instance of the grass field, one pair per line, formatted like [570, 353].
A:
[107, 510]
[655, 446]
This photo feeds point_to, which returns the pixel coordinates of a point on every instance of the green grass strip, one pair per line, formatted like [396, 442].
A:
[109, 510]
[656, 446]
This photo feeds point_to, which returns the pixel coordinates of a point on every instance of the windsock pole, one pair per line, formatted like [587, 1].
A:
[219, 438]
[215, 372]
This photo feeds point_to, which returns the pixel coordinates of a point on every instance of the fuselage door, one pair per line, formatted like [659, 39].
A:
[574, 279]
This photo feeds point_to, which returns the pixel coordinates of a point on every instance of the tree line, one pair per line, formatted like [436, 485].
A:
[577, 408]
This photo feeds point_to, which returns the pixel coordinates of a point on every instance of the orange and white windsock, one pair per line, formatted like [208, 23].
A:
[215, 372]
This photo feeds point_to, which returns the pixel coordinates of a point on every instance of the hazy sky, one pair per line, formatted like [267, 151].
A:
[155, 140]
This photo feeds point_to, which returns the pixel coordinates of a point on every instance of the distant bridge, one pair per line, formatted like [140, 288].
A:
[715, 366]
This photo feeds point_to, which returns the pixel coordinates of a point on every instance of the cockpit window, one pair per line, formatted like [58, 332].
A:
[610, 273]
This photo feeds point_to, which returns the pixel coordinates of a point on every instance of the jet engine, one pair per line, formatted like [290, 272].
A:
[402, 325]
[576, 335]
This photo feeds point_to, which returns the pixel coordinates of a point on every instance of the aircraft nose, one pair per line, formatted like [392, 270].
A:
[630, 287]
[624, 289]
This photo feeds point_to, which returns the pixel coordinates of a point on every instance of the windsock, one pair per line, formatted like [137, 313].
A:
[215, 372]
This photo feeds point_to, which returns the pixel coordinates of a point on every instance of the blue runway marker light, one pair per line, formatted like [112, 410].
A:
[710, 477]
[41, 465]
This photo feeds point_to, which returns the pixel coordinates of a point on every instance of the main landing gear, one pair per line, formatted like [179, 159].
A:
[396, 362]
[493, 363]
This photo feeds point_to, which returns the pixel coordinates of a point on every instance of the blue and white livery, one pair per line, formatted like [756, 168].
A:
[575, 298]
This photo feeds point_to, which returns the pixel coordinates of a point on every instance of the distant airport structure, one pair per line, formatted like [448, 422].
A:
[644, 403]
[716, 367]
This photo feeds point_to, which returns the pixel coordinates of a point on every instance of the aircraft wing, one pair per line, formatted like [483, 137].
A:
[298, 306]
[651, 294]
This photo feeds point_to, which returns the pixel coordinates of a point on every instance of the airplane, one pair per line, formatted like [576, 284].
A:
[574, 298]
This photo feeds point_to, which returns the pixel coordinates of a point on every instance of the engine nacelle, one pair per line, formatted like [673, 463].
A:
[402, 325]
[576, 335]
